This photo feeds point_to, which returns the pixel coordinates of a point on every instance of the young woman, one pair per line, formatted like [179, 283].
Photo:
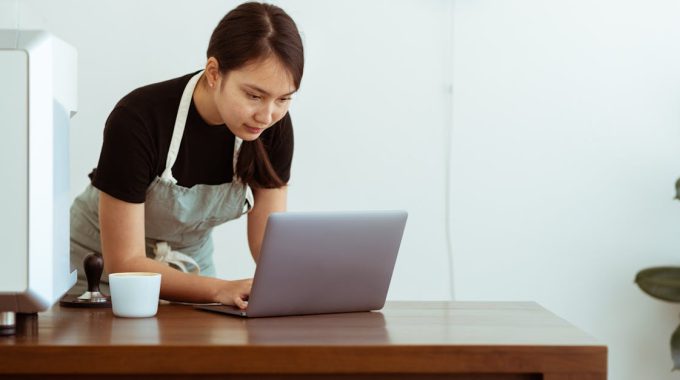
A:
[185, 155]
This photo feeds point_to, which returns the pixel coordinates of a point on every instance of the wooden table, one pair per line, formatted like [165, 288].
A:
[425, 340]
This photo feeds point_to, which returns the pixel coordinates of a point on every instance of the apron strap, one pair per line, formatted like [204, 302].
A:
[178, 129]
[178, 132]
[237, 149]
[165, 254]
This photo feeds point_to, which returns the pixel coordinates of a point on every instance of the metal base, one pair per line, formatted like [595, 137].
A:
[7, 323]
[87, 299]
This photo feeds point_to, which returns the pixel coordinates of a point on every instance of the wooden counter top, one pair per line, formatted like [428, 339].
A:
[499, 340]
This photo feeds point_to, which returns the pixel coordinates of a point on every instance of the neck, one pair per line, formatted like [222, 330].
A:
[205, 104]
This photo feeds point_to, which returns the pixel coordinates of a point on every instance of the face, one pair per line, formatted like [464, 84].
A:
[253, 98]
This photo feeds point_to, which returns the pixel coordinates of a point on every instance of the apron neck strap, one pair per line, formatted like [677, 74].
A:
[178, 130]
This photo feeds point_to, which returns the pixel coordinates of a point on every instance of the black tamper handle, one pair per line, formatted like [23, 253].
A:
[94, 266]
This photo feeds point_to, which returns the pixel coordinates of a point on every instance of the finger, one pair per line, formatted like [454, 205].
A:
[241, 304]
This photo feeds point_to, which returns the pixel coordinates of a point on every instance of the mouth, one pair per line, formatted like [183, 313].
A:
[254, 130]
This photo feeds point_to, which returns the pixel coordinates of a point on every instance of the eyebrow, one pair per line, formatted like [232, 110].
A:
[252, 87]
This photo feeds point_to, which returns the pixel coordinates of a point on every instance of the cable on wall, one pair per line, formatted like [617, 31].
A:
[448, 67]
[17, 15]
[16, 23]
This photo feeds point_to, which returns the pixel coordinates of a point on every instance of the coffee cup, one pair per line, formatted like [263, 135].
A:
[135, 294]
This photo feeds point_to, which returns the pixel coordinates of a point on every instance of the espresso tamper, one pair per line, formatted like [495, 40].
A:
[93, 297]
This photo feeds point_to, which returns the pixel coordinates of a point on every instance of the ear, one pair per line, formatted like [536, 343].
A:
[212, 73]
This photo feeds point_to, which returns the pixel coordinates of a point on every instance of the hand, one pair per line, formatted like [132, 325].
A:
[235, 293]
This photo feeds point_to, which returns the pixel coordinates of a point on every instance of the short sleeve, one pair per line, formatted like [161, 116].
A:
[127, 162]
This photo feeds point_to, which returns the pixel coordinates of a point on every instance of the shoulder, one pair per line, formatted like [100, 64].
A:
[148, 99]
[148, 107]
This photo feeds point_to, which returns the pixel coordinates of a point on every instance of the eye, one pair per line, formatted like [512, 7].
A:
[253, 96]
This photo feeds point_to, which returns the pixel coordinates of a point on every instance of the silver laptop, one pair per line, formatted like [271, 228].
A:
[323, 262]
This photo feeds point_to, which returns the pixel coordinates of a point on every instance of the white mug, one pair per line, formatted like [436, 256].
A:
[135, 294]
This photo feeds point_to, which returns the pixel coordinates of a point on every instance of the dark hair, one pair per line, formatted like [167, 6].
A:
[248, 33]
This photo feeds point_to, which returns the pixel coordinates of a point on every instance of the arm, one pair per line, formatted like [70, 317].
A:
[122, 237]
[266, 202]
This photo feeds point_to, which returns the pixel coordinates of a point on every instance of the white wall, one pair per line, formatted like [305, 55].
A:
[565, 132]
[370, 119]
[566, 147]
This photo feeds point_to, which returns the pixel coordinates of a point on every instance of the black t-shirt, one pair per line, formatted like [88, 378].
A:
[137, 139]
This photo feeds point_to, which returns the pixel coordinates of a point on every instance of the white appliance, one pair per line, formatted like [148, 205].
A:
[38, 97]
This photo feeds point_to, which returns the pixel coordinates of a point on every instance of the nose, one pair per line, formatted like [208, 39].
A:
[265, 114]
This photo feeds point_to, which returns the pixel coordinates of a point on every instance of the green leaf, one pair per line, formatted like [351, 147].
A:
[675, 348]
[660, 282]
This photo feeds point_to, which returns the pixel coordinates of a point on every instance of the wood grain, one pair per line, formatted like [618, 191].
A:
[429, 339]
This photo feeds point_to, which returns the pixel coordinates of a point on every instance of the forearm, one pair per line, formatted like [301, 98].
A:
[176, 285]
[122, 237]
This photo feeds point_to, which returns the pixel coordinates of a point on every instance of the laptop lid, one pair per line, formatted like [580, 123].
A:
[324, 262]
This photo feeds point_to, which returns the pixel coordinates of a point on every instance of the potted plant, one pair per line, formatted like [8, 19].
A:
[664, 283]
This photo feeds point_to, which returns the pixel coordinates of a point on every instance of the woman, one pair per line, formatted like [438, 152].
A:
[185, 155]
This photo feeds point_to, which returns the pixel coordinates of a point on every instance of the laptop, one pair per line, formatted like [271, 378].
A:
[323, 262]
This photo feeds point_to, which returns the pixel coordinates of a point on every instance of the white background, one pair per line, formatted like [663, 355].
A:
[562, 119]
